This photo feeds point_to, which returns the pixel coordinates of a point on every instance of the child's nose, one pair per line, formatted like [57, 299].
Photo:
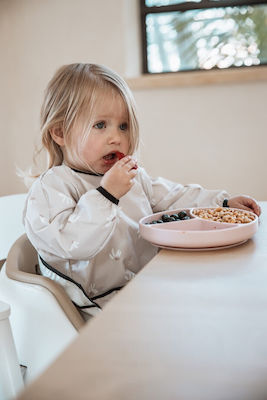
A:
[114, 136]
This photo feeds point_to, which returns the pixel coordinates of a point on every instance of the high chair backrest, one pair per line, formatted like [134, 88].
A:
[21, 266]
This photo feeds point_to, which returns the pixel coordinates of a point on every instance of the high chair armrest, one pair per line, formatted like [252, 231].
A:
[20, 266]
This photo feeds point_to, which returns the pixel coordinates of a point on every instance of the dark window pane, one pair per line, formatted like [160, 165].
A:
[207, 38]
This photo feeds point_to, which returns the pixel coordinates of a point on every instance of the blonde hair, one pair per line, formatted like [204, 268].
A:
[71, 96]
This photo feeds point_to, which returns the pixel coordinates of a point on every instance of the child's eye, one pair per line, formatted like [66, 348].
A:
[100, 125]
[124, 126]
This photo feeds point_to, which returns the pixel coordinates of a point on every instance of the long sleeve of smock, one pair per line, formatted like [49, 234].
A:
[61, 223]
[164, 194]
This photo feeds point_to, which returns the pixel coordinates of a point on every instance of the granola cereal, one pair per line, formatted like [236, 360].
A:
[229, 215]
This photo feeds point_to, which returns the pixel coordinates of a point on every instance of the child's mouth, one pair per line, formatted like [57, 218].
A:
[111, 158]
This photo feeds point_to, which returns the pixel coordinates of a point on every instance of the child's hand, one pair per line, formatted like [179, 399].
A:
[245, 203]
[119, 179]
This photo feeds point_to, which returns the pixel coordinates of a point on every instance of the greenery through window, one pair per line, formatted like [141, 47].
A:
[184, 35]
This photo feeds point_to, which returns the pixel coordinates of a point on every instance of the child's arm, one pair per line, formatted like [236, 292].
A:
[57, 223]
[165, 194]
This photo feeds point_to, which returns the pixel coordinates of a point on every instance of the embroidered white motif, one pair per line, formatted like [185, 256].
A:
[129, 275]
[61, 226]
[65, 199]
[112, 216]
[44, 220]
[74, 245]
[115, 255]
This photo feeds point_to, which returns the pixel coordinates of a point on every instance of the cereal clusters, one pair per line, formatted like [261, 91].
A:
[220, 214]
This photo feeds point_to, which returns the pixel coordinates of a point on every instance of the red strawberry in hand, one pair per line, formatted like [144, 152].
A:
[121, 155]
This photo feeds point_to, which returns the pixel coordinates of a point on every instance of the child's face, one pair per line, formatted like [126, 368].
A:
[110, 133]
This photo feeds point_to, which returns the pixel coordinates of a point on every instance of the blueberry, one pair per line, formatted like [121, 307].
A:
[165, 217]
[182, 214]
[187, 217]
[153, 222]
[175, 216]
[159, 221]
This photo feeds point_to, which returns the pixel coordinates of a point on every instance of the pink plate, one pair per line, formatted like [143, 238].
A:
[199, 248]
[195, 233]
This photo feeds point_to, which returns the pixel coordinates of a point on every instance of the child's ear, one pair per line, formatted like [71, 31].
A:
[57, 135]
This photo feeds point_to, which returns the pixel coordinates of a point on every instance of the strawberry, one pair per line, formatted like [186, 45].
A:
[121, 155]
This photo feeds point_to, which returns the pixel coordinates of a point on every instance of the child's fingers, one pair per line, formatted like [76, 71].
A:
[256, 208]
[125, 159]
[130, 164]
[243, 207]
[132, 173]
[253, 205]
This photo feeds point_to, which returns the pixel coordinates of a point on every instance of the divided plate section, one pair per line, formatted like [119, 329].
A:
[194, 224]
[195, 232]
[224, 215]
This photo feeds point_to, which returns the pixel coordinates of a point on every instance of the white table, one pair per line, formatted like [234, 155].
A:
[190, 326]
[11, 226]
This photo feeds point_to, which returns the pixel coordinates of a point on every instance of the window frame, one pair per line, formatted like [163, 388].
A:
[182, 7]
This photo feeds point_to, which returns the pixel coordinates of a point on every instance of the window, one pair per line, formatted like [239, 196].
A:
[184, 35]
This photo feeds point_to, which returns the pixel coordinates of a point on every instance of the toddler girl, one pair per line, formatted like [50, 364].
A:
[82, 213]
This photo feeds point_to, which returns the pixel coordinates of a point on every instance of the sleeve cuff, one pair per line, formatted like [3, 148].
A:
[108, 196]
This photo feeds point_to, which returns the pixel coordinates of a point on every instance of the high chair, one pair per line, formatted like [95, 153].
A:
[43, 318]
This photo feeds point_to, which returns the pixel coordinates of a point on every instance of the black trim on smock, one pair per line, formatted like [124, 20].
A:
[103, 191]
[106, 293]
[108, 195]
[79, 286]
[68, 279]
[84, 172]
[225, 203]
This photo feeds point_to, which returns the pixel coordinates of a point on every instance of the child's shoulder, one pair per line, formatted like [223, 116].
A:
[58, 177]
[60, 171]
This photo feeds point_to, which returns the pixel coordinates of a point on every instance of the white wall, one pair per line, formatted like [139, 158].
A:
[36, 38]
[213, 135]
